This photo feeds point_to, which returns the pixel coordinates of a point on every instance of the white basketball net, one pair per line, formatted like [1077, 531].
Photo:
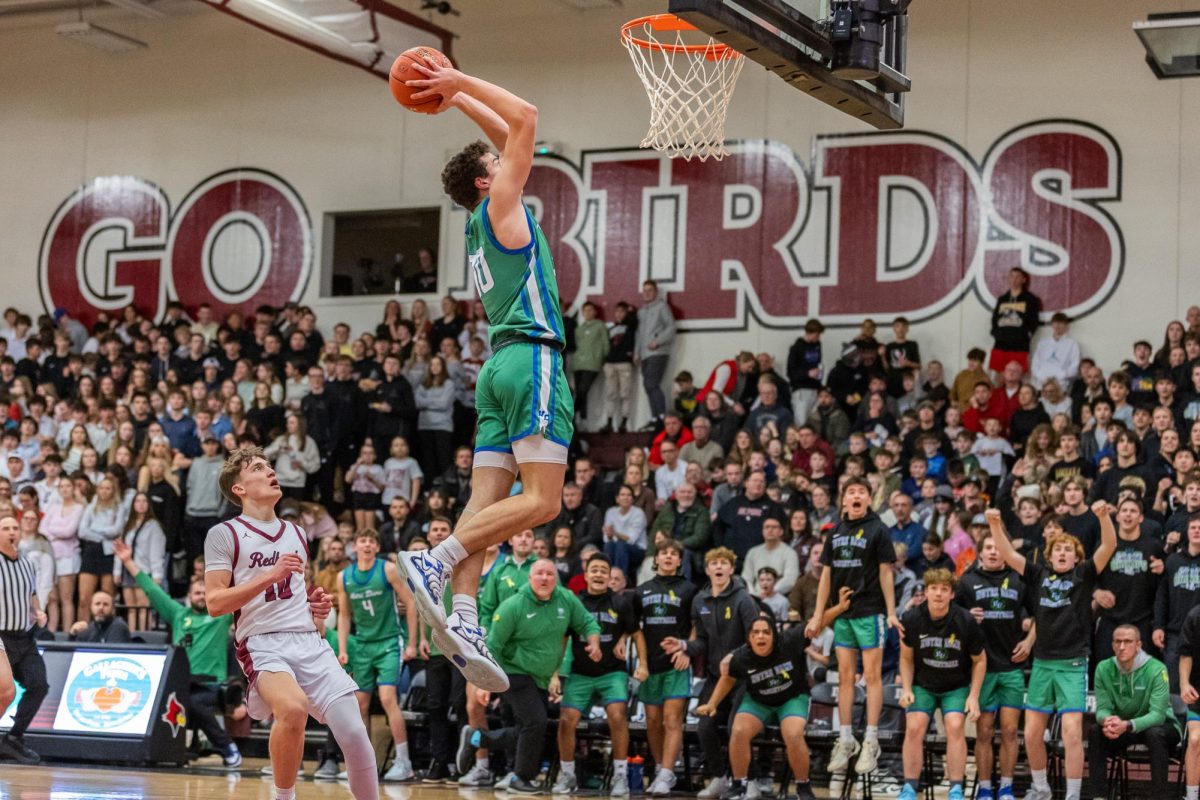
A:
[689, 87]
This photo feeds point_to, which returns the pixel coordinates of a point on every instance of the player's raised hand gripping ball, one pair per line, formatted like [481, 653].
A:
[403, 70]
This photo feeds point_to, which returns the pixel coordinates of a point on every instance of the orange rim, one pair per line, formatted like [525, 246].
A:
[714, 50]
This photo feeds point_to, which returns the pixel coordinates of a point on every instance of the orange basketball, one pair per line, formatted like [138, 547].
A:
[402, 71]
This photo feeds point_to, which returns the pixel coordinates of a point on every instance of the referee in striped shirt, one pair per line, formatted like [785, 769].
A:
[19, 656]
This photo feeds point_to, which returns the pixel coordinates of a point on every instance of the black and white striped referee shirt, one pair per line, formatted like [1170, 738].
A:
[18, 583]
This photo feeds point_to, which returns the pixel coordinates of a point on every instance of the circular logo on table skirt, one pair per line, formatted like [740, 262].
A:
[108, 693]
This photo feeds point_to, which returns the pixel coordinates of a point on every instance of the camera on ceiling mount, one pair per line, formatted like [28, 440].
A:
[858, 30]
[440, 6]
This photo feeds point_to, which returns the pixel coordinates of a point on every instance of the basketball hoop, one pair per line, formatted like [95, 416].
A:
[689, 85]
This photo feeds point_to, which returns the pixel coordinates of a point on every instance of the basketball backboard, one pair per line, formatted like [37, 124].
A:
[849, 54]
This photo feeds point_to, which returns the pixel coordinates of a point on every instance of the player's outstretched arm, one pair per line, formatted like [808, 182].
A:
[505, 210]
[1108, 534]
[492, 124]
[724, 686]
[1007, 551]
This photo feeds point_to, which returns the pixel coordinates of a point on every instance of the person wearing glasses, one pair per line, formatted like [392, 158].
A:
[1133, 706]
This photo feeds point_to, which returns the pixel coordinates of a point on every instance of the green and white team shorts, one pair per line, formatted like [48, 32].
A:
[1057, 684]
[525, 409]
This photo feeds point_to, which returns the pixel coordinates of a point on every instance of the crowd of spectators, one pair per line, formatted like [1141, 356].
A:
[117, 434]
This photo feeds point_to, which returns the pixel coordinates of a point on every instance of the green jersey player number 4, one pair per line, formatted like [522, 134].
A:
[525, 409]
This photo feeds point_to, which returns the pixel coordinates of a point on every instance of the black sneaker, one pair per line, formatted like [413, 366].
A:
[804, 791]
[519, 786]
[737, 791]
[14, 747]
[436, 773]
[468, 743]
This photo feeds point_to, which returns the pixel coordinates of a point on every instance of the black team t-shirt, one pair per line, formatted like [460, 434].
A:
[853, 552]
[942, 648]
[1086, 528]
[1062, 604]
[777, 677]
[664, 605]
[1001, 595]
[614, 613]
[1078, 467]
[1128, 576]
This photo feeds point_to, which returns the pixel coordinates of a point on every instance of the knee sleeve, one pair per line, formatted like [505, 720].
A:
[346, 725]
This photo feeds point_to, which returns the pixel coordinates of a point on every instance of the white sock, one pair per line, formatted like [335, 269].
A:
[285, 794]
[620, 766]
[1005, 781]
[1193, 793]
[464, 606]
[847, 733]
[450, 552]
[985, 785]
[1074, 787]
[665, 771]
[402, 752]
[482, 763]
[872, 734]
[568, 768]
[1039, 779]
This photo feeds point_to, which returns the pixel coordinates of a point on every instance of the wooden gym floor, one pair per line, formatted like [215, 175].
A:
[61, 782]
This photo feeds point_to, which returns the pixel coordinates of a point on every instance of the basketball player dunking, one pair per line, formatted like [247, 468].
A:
[525, 408]
[254, 569]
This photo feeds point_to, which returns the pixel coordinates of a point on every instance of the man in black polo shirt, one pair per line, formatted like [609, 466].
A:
[1125, 591]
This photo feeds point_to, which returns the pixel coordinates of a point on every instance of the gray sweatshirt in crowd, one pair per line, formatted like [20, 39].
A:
[203, 490]
[437, 406]
[657, 323]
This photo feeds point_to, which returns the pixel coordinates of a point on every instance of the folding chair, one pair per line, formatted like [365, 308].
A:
[1118, 768]
[824, 700]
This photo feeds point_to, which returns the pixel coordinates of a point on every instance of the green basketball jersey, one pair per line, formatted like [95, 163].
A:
[372, 602]
[518, 287]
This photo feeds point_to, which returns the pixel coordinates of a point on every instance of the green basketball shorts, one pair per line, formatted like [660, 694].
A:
[581, 690]
[1002, 690]
[374, 663]
[795, 707]
[1058, 685]
[951, 702]
[675, 684]
[524, 406]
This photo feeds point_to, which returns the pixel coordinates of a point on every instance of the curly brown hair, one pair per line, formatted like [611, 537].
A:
[460, 172]
[231, 471]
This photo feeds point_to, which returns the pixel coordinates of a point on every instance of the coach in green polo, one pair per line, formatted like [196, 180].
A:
[526, 636]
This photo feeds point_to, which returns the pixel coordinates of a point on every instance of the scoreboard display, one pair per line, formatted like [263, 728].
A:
[110, 703]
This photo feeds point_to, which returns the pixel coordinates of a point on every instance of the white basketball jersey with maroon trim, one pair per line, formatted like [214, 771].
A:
[254, 547]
